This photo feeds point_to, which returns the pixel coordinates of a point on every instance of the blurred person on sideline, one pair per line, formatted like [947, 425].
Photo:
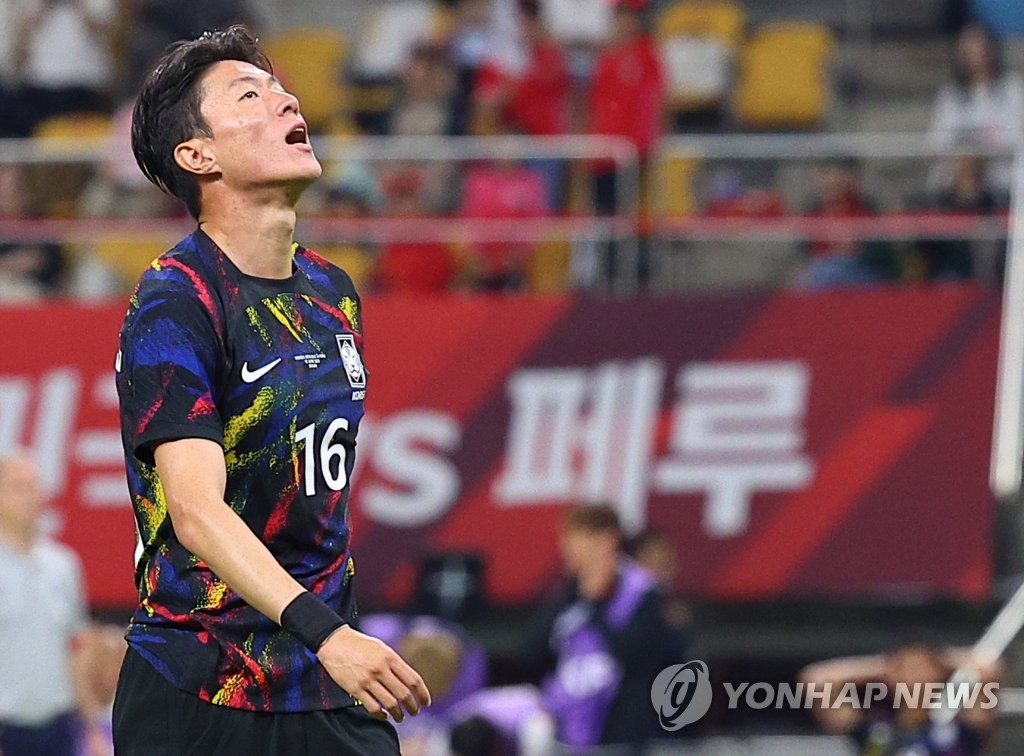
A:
[503, 190]
[64, 60]
[897, 726]
[503, 721]
[610, 617]
[841, 259]
[28, 270]
[657, 552]
[101, 649]
[982, 107]
[244, 637]
[44, 695]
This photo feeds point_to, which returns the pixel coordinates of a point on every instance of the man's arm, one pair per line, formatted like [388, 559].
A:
[975, 717]
[194, 477]
[837, 673]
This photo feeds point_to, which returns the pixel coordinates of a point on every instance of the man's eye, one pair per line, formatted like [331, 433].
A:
[250, 94]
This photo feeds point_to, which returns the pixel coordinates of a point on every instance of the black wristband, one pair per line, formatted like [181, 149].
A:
[309, 618]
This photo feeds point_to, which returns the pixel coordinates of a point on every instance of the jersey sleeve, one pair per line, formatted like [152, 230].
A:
[170, 352]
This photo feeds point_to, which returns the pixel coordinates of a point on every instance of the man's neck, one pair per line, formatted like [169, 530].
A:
[255, 235]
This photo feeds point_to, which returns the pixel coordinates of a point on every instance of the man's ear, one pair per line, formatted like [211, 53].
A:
[196, 156]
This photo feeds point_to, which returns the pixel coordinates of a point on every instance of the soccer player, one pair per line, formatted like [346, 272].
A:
[241, 387]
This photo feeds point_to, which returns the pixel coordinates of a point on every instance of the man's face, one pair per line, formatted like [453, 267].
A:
[21, 497]
[259, 138]
[582, 548]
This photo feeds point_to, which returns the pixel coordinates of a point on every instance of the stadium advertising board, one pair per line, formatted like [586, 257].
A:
[791, 445]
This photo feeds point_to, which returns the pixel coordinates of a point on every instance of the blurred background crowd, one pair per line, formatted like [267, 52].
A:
[552, 212]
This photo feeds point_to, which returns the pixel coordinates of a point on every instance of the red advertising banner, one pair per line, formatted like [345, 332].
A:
[790, 445]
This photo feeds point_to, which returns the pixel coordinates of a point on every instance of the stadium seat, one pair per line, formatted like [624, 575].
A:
[698, 40]
[349, 257]
[784, 76]
[547, 268]
[308, 61]
[64, 134]
[392, 31]
[670, 189]
[128, 256]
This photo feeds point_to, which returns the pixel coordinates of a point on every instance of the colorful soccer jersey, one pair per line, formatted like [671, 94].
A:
[273, 371]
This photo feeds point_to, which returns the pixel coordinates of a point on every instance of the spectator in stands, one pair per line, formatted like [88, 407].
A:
[611, 614]
[506, 190]
[425, 105]
[983, 106]
[412, 266]
[626, 98]
[627, 93]
[119, 189]
[904, 726]
[953, 259]
[157, 23]
[729, 198]
[63, 55]
[42, 684]
[470, 38]
[529, 96]
[843, 258]
[28, 270]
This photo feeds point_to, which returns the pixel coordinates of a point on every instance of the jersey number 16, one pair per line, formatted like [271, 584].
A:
[329, 450]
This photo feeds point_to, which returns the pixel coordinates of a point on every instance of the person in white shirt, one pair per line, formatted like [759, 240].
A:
[982, 108]
[42, 609]
[64, 62]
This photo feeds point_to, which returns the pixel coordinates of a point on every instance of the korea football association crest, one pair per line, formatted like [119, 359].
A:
[351, 360]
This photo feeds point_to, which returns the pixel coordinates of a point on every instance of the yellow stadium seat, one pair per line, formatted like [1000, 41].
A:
[547, 267]
[698, 40]
[308, 61]
[58, 186]
[351, 258]
[128, 256]
[670, 187]
[784, 76]
[60, 129]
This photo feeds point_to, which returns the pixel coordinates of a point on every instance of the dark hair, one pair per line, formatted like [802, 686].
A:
[596, 518]
[475, 736]
[167, 111]
[530, 8]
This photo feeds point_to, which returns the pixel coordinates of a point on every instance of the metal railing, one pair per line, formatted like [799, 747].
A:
[622, 226]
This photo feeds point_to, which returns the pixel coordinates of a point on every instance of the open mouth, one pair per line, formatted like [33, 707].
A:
[297, 135]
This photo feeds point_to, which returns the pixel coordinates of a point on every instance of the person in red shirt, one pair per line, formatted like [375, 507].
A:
[412, 266]
[531, 96]
[503, 189]
[530, 99]
[626, 98]
[627, 93]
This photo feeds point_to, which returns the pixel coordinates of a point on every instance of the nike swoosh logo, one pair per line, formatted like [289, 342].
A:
[254, 375]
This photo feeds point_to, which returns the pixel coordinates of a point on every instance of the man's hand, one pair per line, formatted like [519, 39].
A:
[373, 674]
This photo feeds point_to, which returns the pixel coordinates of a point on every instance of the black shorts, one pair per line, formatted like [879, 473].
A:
[154, 718]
